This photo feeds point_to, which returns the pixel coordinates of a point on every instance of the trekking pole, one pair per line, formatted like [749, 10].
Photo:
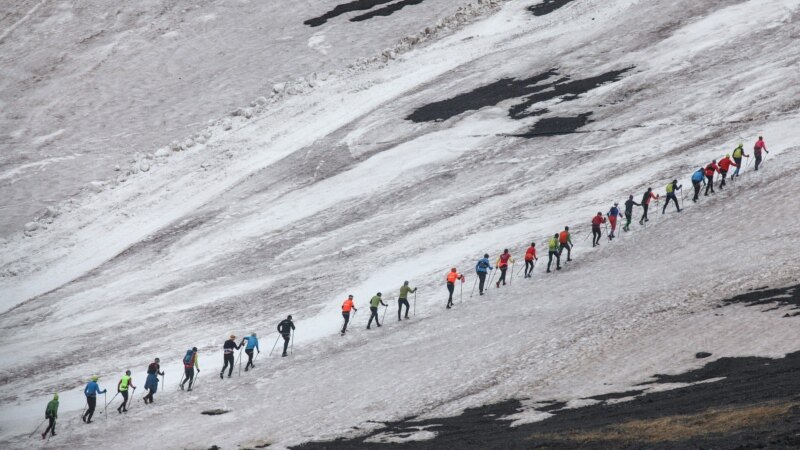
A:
[291, 346]
[511, 278]
[112, 399]
[520, 270]
[179, 383]
[473, 287]
[196, 377]
[384, 312]
[240, 360]
[415, 304]
[276, 343]
[130, 400]
[37, 427]
[461, 293]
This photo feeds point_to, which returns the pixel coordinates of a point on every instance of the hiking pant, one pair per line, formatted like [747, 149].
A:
[502, 275]
[596, 233]
[51, 427]
[124, 405]
[227, 359]
[528, 267]
[249, 353]
[188, 373]
[696, 185]
[569, 251]
[628, 219]
[670, 196]
[550, 255]
[481, 280]
[724, 174]
[91, 401]
[738, 162]
[400, 302]
[758, 160]
[286, 338]
[644, 218]
[346, 316]
[709, 183]
[373, 315]
[450, 287]
[613, 221]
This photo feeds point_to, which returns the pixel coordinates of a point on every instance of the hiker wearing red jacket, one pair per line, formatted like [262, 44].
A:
[648, 195]
[760, 145]
[596, 233]
[530, 256]
[710, 169]
[502, 264]
[725, 164]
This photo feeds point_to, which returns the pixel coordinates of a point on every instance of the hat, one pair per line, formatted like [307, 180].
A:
[379, 294]
[405, 282]
[95, 378]
[127, 372]
[253, 333]
[727, 155]
[233, 337]
[194, 349]
[55, 396]
[289, 317]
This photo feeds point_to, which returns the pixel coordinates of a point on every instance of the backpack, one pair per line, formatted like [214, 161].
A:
[483, 264]
[187, 360]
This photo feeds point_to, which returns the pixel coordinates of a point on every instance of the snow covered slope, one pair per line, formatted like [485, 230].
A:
[497, 134]
[87, 85]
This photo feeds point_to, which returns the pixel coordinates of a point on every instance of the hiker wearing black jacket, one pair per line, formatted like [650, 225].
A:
[227, 349]
[629, 212]
[285, 328]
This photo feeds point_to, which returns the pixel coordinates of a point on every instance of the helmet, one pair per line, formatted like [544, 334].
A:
[158, 360]
[485, 255]
[55, 396]
[127, 372]
[289, 317]
[405, 283]
[253, 334]
[379, 294]
[95, 378]
[616, 203]
[194, 349]
[727, 155]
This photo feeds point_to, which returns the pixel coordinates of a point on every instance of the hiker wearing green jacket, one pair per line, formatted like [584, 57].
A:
[552, 246]
[51, 414]
[373, 306]
[403, 300]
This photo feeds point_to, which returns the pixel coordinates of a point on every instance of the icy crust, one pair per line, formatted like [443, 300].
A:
[141, 162]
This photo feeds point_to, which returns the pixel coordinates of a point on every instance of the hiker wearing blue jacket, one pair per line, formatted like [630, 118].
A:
[482, 268]
[91, 391]
[252, 343]
[697, 178]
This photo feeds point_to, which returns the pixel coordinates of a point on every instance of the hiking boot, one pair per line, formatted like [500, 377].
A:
[558, 268]
[498, 285]
[220, 375]
[43, 436]
[548, 271]
[284, 353]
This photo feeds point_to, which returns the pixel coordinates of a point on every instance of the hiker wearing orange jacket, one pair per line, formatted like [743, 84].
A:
[452, 277]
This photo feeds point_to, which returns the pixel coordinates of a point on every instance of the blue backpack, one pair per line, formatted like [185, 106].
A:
[188, 358]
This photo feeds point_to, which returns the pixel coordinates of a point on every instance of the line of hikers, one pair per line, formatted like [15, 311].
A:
[556, 245]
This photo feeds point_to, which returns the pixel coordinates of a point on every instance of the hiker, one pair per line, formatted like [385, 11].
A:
[373, 307]
[91, 391]
[252, 343]
[482, 269]
[347, 306]
[565, 242]
[151, 385]
[671, 189]
[403, 299]
[698, 177]
[760, 145]
[725, 164]
[502, 264]
[648, 195]
[552, 247]
[629, 212]
[452, 276]
[530, 257]
[122, 388]
[228, 357]
[285, 328]
[596, 233]
[189, 364]
[51, 414]
[613, 214]
[738, 152]
[710, 170]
